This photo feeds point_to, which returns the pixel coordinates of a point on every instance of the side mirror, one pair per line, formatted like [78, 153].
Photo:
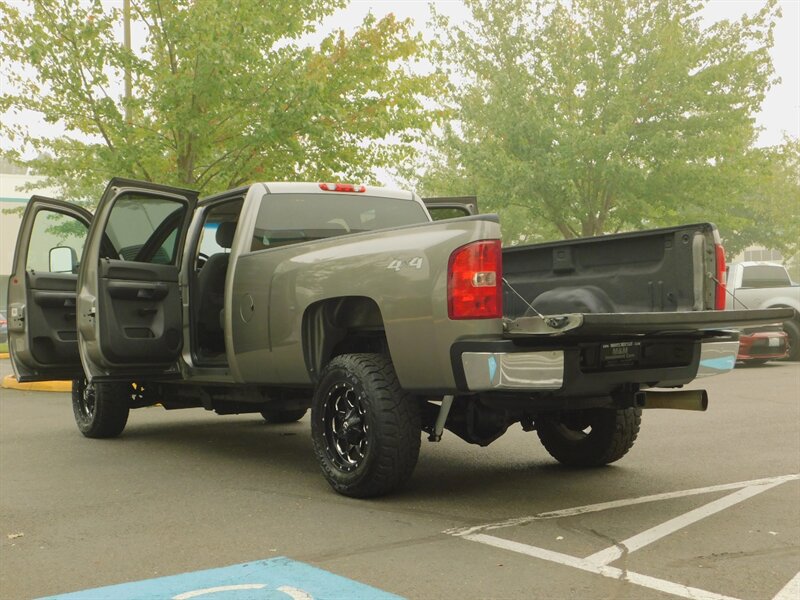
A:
[63, 259]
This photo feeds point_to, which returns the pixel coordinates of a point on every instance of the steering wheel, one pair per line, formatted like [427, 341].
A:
[202, 259]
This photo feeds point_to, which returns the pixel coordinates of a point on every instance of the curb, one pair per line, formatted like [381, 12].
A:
[10, 382]
[3, 354]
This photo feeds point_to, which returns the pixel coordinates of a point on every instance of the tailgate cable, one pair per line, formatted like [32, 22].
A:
[730, 293]
[554, 322]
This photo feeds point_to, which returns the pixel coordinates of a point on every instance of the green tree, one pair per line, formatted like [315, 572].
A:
[593, 116]
[224, 92]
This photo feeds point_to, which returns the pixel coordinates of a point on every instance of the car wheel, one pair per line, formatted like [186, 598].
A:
[755, 362]
[365, 428]
[792, 329]
[277, 417]
[101, 409]
[589, 438]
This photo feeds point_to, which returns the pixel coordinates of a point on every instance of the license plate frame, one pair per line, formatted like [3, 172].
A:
[620, 354]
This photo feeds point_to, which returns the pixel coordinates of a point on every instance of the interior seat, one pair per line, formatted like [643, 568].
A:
[211, 292]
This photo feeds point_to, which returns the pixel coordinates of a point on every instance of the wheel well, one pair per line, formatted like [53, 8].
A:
[341, 326]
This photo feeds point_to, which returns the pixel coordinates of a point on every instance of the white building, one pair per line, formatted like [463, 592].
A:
[12, 202]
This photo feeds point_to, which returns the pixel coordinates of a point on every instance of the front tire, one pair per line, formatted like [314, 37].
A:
[364, 426]
[101, 409]
[591, 437]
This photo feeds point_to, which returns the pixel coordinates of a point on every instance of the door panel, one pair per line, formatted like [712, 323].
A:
[141, 312]
[43, 338]
[129, 302]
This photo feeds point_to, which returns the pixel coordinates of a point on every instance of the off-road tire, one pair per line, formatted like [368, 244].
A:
[359, 396]
[101, 410]
[792, 329]
[277, 417]
[613, 432]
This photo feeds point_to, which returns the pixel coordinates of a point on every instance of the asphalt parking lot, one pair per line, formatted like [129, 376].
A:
[706, 505]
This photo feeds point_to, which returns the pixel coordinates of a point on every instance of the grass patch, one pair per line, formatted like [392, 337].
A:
[3, 347]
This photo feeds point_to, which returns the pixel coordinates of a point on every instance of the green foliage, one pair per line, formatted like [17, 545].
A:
[224, 92]
[594, 116]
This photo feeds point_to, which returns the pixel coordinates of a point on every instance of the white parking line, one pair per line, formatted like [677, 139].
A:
[791, 590]
[590, 508]
[653, 583]
[654, 534]
[598, 562]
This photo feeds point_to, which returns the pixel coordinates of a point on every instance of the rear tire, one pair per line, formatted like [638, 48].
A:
[364, 426]
[101, 410]
[277, 417]
[591, 437]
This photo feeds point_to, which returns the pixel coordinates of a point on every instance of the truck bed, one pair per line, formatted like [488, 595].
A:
[661, 270]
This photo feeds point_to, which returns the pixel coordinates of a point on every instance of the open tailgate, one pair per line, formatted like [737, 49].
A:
[646, 323]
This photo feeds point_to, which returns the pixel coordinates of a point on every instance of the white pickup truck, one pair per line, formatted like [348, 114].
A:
[754, 285]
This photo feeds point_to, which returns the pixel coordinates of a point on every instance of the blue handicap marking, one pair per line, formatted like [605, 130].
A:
[273, 579]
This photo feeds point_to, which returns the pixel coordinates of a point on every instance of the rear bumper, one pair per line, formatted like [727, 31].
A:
[580, 368]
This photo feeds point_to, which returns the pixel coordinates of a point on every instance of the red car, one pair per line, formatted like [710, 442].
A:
[758, 345]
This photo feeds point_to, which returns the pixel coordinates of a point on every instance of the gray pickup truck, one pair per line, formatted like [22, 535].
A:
[277, 297]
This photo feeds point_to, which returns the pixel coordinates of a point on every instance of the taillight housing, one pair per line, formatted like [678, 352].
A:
[475, 281]
[719, 294]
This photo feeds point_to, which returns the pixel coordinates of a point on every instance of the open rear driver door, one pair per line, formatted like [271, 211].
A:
[42, 333]
[129, 302]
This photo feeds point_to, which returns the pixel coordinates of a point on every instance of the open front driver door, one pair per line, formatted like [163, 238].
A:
[42, 334]
[129, 302]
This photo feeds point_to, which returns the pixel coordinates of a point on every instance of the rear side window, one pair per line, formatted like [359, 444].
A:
[293, 218]
[764, 276]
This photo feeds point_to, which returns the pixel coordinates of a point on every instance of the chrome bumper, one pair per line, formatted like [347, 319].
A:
[717, 358]
[513, 371]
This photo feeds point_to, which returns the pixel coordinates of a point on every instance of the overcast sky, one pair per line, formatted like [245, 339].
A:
[780, 111]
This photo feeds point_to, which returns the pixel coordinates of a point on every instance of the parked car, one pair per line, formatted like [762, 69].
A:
[758, 345]
[3, 328]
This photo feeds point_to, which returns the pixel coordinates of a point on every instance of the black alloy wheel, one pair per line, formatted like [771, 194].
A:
[101, 410]
[364, 426]
[345, 425]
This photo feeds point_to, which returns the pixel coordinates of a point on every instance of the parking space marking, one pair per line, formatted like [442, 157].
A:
[640, 540]
[590, 508]
[598, 563]
[791, 591]
[653, 583]
[273, 578]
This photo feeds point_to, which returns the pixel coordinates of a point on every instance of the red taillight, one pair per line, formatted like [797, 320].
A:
[475, 281]
[342, 187]
[719, 296]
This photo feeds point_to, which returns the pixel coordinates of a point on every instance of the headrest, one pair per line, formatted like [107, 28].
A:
[225, 233]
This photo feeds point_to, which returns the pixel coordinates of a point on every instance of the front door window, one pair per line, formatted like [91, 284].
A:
[56, 243]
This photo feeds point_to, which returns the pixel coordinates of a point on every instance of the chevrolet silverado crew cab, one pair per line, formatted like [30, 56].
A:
[351, 301]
